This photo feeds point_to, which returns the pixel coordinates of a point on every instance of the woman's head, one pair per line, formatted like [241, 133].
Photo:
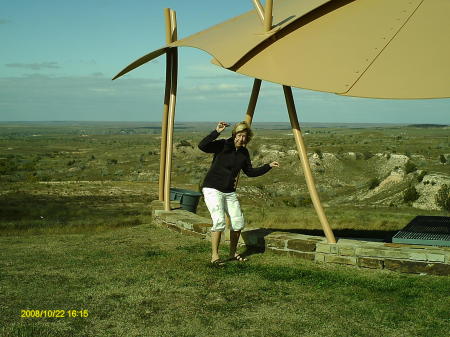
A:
[242, 134]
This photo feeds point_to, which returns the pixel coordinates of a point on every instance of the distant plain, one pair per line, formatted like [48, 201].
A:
[97, 175]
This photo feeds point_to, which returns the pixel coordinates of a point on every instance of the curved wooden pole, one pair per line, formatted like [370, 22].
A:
[173, 52]
[168, 22]
[162, 161]
[253, 100]
[251, 110]
[142, 60]
[305, 164]
[259, 9]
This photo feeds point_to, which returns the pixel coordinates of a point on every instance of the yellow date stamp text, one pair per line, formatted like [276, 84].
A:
[53, 313]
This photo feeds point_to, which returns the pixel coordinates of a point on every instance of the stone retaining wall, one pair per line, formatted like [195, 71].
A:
[364, 254]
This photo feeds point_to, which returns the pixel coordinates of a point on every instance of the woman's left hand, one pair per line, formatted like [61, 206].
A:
[274, 164]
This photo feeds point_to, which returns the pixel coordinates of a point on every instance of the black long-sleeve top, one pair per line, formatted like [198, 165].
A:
[227, 163]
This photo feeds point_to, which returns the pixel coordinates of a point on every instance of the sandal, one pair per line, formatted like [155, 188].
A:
[239, 258]
[217, 263]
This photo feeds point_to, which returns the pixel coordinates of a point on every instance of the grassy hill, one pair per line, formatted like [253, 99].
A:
[149, 281]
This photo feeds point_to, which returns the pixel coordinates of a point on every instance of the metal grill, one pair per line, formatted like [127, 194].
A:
[425, 230]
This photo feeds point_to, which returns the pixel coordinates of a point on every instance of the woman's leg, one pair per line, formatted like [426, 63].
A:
[233, 208]
[214, 200]
[215, 240]
[234, 239]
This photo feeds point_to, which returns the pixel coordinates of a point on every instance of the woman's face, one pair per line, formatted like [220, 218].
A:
[240, 139]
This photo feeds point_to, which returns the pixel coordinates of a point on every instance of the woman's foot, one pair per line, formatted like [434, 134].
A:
[217, 262]
[239, 258]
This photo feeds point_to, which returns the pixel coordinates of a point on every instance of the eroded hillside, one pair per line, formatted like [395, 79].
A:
[362, 173]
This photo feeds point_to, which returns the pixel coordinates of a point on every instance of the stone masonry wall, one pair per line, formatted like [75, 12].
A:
[363, 254]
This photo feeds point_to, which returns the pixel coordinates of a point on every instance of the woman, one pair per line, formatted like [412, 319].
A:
[219, 186]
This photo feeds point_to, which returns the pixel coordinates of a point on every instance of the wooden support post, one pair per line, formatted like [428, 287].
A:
[268, 15]
[253, 100]
[251, 109]
[162, 161]
[173, 53]
[301, 148]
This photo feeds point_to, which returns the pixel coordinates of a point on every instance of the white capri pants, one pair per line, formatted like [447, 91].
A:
[219, 204]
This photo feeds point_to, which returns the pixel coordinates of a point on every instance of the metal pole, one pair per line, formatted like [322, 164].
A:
[268, 15]
[162, 161]
[253, 100]
[305, 164]
[171, 116]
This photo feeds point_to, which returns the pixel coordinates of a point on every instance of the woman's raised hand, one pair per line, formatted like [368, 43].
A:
[221, 126]
[274, 164]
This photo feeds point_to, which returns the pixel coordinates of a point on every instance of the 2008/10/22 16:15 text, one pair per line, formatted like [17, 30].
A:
[53, 313]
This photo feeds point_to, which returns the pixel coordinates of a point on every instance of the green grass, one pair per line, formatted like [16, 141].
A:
[92, 176]
[76, 234]
[357, 221]
[73, 207]
[149, 281]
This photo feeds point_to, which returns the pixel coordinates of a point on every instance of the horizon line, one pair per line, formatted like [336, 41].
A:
[206, 121]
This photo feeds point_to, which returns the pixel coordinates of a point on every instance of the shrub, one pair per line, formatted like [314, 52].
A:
[255, 152]
[374, 182]
[410, 194]
[112, 161]
[410, 167]
[367, 155]
[320, 170]
[8, 166]
[421, 175]
[71, 162]
[304, 201]
[290, 202]
[443, 197]
[297, 202]
[319, 153]
[442, 159]
[184, 142]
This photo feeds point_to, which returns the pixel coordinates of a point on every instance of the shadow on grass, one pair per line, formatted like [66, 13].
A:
[349, 233]
[25, 212]
[422, 224]
[258, 246]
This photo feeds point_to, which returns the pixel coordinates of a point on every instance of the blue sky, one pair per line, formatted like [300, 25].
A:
[58, 57]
